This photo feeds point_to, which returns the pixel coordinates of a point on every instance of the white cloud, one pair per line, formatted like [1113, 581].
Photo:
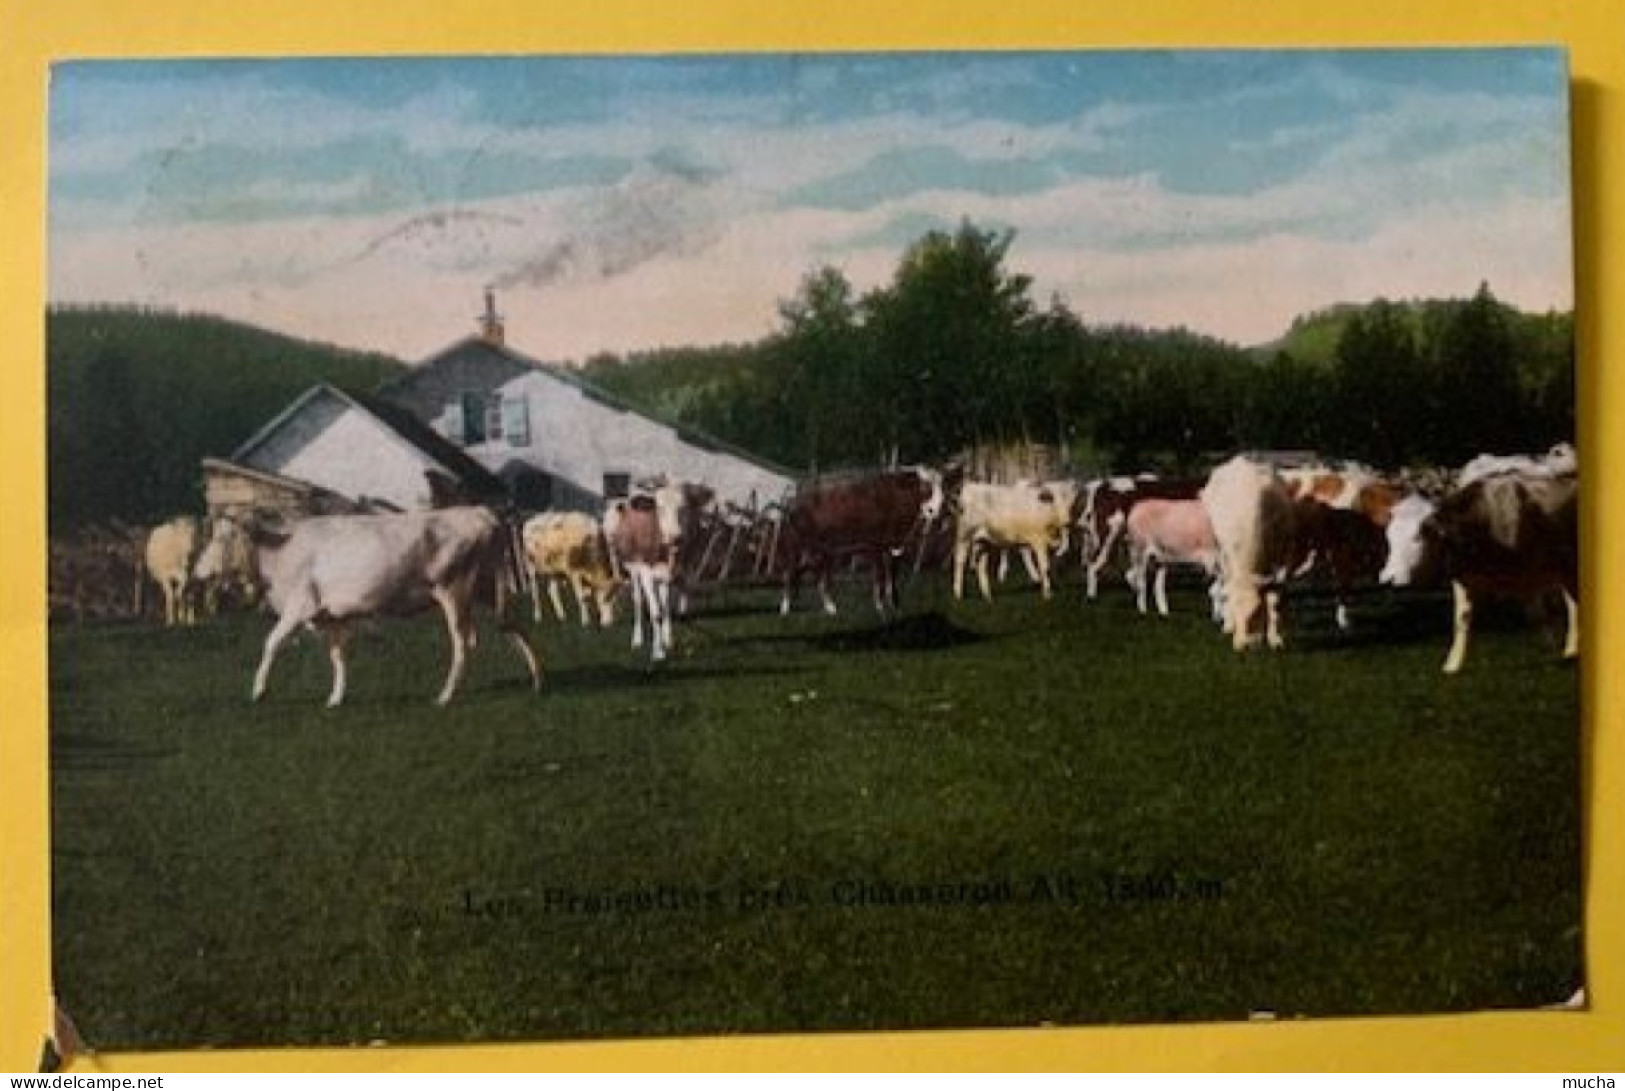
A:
[1426, 194]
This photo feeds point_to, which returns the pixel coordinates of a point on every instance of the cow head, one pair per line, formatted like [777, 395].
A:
[936, 497]
[1410, 528]
[229, 560]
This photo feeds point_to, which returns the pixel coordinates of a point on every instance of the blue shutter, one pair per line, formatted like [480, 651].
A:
[473, 417]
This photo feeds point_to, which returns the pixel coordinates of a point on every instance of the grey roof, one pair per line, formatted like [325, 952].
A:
[472, 348]
[410, 430]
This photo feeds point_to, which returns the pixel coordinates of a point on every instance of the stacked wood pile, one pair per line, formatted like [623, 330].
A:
[97, 573]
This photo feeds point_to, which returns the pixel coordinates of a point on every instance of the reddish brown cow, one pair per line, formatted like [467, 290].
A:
[1346, 546]
[877, 518]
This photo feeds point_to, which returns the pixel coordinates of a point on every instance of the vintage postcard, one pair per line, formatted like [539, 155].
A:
[547, 548]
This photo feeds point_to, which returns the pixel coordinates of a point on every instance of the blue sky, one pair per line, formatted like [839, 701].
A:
[620, 203]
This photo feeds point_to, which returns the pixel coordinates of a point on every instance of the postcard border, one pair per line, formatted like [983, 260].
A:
[75, 29]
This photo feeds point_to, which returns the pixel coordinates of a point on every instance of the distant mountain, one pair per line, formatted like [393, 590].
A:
[136, 397]
[1312, 338]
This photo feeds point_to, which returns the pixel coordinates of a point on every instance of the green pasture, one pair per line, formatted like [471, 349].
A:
[1010, 814]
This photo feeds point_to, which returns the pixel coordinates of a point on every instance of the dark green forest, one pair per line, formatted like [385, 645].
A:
[954, 352]
[136, 397]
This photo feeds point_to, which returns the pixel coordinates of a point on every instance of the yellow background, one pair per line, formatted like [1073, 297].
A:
[33, 33]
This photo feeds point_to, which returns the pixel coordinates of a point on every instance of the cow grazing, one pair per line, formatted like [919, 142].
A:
[1508, 534]
[170, 551]
[1030, 518]
[647, 535]
[878, 517]
[1345, 545]
[1162, 533]
[568, 547]
[328, 572]
[225, 566]
[1253, 522]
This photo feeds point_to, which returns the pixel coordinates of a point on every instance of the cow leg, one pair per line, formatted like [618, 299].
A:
[527, 652]
[636, 573]
[1464, 623]
[284, 627]
[458, 627]
[1114, 528]
[1139, 575]
[1571, 643]
[663, 601]
[1272, 619]
[583, 594]
[337, 636]
[961, 558]
[1215, 597]
[1030, 559]
[555, 595]
[886, 598]
[1039, 559]
[1344, 621]
[981, 556]
[652, 590]
[1162, 589]
[1244, 606]
[792, 585]
[824, 567]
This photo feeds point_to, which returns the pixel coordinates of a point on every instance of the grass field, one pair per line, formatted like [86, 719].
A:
[1012, 814]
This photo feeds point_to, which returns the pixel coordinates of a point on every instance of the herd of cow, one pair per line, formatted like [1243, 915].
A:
[1502, 525]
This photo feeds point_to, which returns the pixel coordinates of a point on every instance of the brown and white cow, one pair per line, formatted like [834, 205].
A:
[1511, 534]
[1162, 533]
[1345, 546]
[648, 535]
[1104, 516]
[329, 572]
[171, 549]
[877, 517]
[569, 547]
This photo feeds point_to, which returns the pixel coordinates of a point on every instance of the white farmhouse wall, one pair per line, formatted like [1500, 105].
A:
[580, 439]
[347, 451]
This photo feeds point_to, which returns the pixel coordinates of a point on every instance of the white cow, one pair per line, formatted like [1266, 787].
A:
[171, 548]
[570, 547]
[1252, 517]
[1560, 461]
[328, 572]
[1024, 516]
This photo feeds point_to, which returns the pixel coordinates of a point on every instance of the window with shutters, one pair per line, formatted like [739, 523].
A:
[515, 423]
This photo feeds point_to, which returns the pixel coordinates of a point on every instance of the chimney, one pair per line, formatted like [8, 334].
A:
[491, 328]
